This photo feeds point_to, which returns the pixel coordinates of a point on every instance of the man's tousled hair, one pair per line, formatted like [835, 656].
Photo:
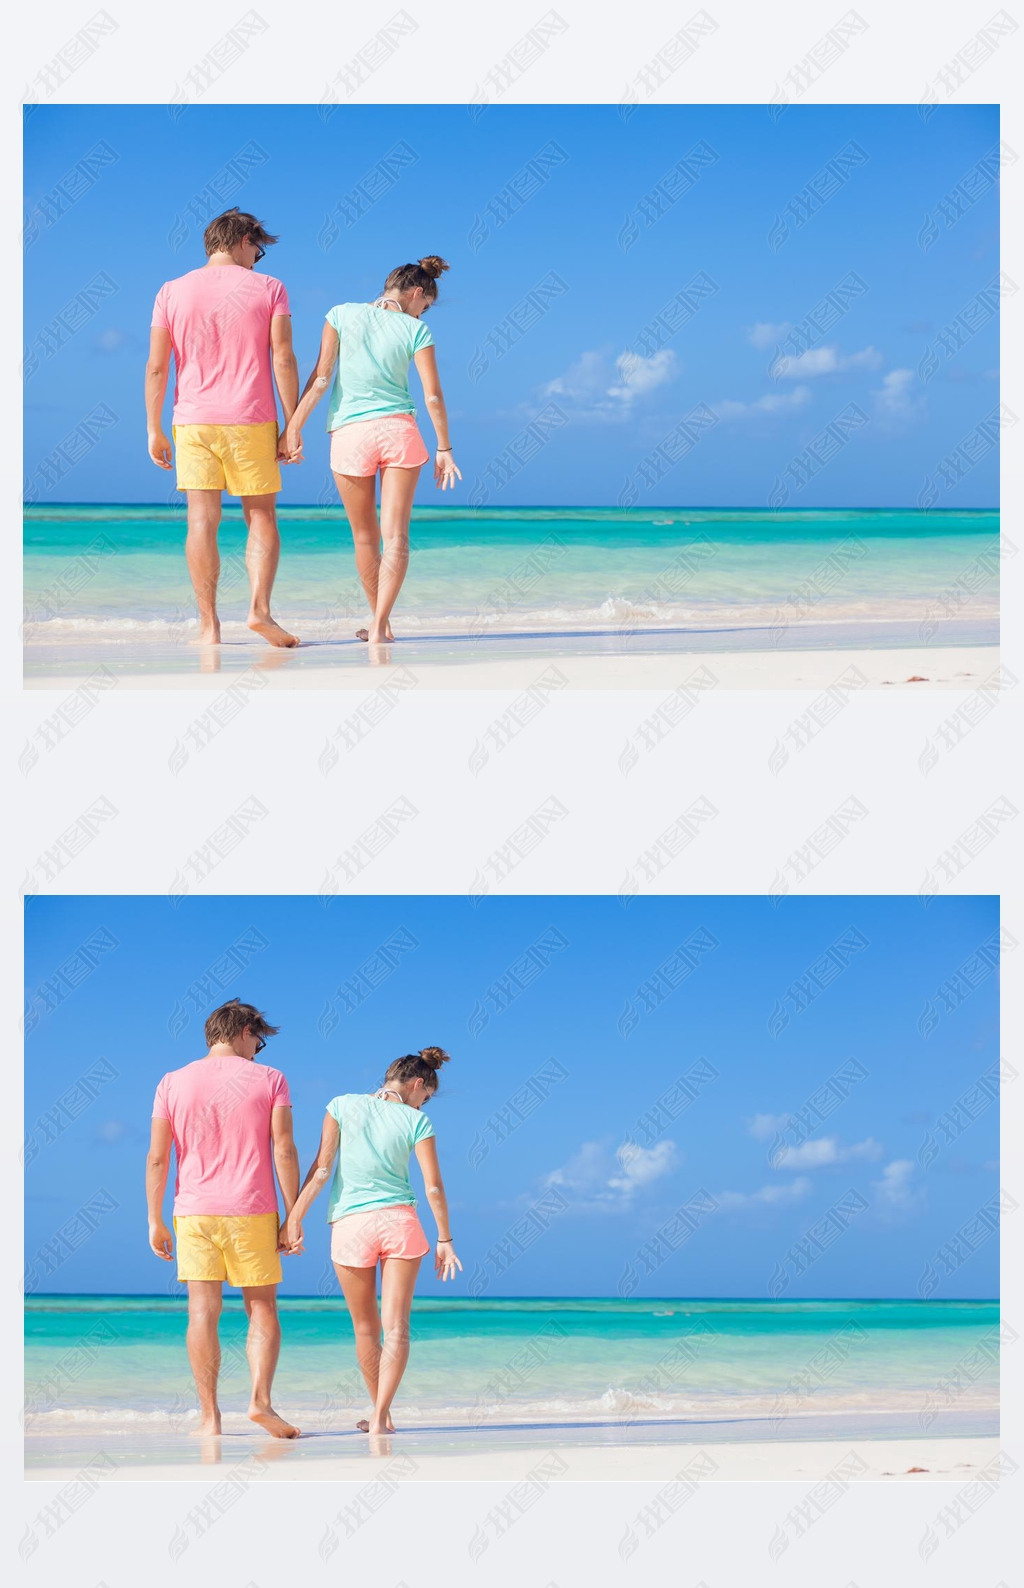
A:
[234, 226]
[227, 1023]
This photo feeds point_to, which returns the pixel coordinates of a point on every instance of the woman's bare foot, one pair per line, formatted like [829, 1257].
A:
[364, 1426]
[272, 1424]
[378, 639]
[209, 633]
[273, 633]
[208, 1428]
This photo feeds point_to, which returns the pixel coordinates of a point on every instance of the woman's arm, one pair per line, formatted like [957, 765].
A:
[316, 1179]
[445, 1260]
[445, 472]
[312, 392]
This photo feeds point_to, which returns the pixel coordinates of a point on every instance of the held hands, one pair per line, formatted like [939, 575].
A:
[289, 446]
[159, 449]
[161, 1241]
[445, 471]
[445, 1260]
[290, 1239]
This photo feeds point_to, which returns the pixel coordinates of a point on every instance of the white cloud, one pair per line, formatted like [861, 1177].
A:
[825, 361]
[596, 1178]
[765, 334]
[598, 387]
[896, 397]
[895, 1192]
[767, 1196]
[640, 375]
[826, 1150]
[764, 1125]
[111, 340]
[771, 403]
[641, 1165]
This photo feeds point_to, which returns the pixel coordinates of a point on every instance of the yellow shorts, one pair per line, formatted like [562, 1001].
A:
[241, 459]
[241, 1249]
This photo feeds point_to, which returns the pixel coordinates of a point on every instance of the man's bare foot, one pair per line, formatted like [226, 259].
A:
[364, 1426]
[378, 639]
[272, 1424]
[272, 632]
[209, 634]
[208, 1428]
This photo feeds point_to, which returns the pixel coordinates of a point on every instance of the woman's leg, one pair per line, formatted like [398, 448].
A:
[398, 1281]
[359, 1286]
[359, 499]
[397, 489]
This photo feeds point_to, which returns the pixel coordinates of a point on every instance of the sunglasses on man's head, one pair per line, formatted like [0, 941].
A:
[260, 1045]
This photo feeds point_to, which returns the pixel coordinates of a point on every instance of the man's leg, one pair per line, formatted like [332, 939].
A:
[204, 1303]
[358, 494]
[261, 558]
[359, 1286]
[263, 1347]
[203, 559]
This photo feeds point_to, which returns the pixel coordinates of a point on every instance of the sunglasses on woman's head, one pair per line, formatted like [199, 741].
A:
[260, 1045]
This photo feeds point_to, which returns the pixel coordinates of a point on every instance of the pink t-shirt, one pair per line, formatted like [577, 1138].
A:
[219, 1111]
[219, 319]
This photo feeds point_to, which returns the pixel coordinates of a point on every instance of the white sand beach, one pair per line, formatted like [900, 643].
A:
[550, 1457]
[538, 664]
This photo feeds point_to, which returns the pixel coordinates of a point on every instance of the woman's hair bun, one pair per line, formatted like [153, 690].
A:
[435, 1057]
[434, 265]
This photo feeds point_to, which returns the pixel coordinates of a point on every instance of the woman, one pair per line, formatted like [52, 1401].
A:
[373, 1219]
[372, 422]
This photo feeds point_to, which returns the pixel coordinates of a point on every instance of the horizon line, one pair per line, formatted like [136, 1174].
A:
[690, 507]
[153, 1295]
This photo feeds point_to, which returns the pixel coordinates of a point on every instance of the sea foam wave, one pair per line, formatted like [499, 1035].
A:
[617, 1403]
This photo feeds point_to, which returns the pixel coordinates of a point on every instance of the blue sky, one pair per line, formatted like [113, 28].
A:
[603, 1023]
[578, 229]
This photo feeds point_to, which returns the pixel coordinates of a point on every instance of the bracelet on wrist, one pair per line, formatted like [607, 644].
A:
[444, 1240]
[442, 449]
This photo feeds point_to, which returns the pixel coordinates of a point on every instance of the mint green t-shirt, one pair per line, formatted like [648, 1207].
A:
[375, 351]
[377, 1140]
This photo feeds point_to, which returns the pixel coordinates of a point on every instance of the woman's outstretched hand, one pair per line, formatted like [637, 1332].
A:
[445, 1260]
[445, 472]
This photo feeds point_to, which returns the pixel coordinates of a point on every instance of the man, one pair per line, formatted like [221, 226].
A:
[230, 1122]
[230, 331]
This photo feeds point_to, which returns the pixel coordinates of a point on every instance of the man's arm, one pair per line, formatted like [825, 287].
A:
[157, 368]
[158, 1161]
[286, 367]
[286, 1156]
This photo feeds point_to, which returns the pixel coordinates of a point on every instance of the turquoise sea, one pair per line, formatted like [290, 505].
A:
[116, 576]
[117, 1364]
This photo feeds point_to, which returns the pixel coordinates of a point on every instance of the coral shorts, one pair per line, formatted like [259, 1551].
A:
[239, 1248]
[240, 459]
[366, 445]
[360, 1240]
